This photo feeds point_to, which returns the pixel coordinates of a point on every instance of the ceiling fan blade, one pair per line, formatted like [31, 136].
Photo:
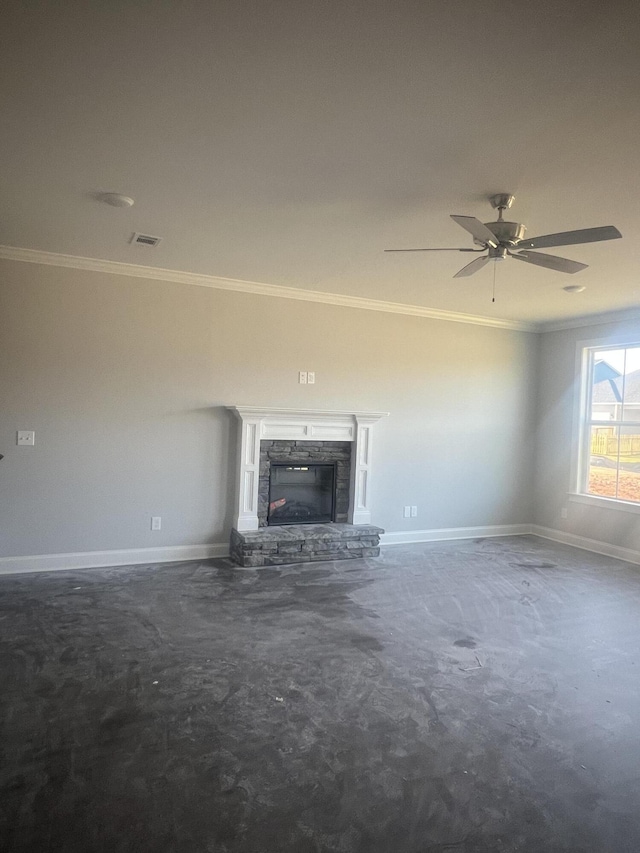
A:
[473, 267]
[551, 262]
[477, 229]
[571, 238]
[434, 250]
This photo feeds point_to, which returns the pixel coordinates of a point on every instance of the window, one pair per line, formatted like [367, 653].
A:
[610, 445]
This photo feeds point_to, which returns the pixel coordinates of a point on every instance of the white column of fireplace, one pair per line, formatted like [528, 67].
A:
[302, 425]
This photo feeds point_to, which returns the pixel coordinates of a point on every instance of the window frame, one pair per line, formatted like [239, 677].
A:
[585, 356]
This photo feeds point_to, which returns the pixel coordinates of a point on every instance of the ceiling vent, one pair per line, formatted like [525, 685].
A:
[145, 239]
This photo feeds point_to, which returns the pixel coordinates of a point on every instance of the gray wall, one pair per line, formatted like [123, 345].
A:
[124, 381]
[558, 388]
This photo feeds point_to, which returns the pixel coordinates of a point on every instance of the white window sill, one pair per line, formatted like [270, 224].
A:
[605, 503]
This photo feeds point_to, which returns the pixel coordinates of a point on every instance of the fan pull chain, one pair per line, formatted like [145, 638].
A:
[494, 281]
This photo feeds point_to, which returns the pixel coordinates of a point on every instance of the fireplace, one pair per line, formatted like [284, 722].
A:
[303, 487]
[298, 437]
[301, 494]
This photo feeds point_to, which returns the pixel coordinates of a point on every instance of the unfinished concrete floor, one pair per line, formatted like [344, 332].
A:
[466, 696]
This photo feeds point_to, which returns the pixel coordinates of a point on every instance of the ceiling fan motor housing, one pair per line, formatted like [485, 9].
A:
[507, 233]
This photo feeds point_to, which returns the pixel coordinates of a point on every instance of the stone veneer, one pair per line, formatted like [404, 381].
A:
[304, 543]
[299, 452]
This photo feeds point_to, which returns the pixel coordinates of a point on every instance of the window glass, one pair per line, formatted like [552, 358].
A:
[612, 424]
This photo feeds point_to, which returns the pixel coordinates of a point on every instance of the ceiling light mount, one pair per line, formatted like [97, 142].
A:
[502, 201]
[116, 199]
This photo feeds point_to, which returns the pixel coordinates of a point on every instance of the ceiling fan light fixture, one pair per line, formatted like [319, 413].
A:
[498, 254]
[575, 288]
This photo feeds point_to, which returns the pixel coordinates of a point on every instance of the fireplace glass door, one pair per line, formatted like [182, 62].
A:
[301, 494]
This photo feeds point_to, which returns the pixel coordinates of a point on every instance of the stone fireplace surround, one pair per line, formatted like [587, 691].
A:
[270, 434]
[300, 453]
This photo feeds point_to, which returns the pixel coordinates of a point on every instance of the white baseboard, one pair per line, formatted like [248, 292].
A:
[102, 559]
[627, 554]
[183, 553]
[407, 537]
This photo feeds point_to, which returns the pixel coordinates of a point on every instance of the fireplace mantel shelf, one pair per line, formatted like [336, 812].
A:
[259, 423]
[268, 412]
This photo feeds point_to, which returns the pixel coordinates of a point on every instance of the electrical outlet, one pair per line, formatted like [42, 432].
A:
[26, 438]
[156, 522]
[563, 512]
[407, 512]
[414, 512]
[302, 377]
[311, 377]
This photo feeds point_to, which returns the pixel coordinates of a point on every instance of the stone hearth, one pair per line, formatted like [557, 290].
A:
[304, 543]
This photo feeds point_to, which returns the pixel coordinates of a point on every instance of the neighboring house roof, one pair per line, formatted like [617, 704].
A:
[603, 370]
[610, 390]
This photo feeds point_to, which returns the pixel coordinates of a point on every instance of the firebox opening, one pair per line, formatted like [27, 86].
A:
[302, 494]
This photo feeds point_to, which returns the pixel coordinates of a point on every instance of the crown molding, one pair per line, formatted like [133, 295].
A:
[35, 256]
[621, 316]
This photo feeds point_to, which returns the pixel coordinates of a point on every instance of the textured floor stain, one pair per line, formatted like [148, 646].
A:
[417, 703]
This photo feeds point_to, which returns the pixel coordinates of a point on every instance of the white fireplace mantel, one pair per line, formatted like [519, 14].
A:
[258, 423]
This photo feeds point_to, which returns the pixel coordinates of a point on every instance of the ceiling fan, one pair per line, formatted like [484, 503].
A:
[506, 239]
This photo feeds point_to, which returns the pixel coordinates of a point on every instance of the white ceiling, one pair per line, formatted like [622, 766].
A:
[289, 142]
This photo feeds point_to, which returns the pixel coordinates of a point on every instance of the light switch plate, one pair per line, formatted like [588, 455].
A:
[26, 438]
[302, 377]
[311, 377]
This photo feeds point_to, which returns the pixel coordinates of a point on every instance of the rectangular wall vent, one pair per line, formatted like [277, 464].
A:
[145, 239]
